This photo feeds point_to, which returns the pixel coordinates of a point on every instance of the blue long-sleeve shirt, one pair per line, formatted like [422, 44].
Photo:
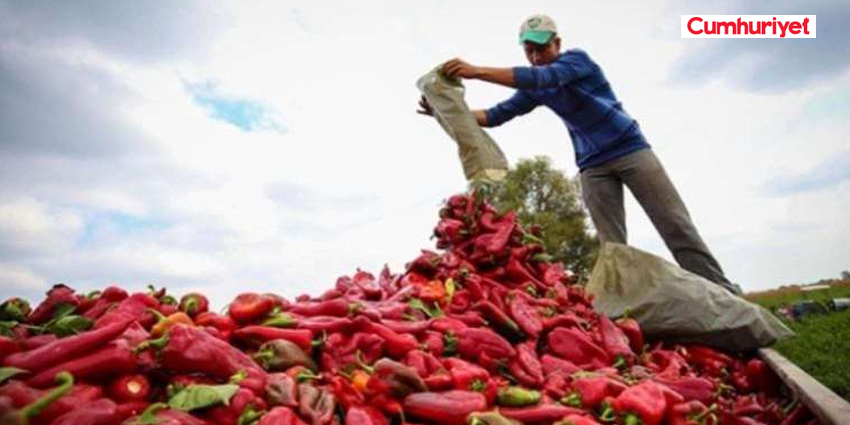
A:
[575, 88]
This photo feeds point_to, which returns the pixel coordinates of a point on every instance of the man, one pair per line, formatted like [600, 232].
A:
[610, 149]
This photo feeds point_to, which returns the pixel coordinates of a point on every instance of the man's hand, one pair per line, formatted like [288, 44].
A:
[457, 68]
[425, 107]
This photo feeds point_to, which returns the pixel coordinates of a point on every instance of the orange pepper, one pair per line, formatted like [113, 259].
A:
[167, 323]
[360, 380]
[432, 291]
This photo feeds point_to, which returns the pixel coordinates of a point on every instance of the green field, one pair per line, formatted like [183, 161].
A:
[822, 344]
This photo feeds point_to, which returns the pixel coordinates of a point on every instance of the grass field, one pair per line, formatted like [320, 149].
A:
[822, 344]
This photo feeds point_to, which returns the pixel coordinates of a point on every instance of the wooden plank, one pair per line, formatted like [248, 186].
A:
[823, 402]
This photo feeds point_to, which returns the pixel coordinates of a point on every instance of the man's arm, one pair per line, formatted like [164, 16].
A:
[567, 68]
[457, 68]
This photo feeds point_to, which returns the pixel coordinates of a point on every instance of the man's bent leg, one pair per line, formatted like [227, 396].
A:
[602, 193]
[646, 178]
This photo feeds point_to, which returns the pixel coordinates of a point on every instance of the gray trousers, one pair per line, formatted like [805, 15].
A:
[643, 174]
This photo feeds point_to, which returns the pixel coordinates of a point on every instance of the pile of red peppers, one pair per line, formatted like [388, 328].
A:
[484, 330]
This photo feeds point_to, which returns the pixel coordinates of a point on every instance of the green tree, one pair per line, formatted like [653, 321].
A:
[544, 196]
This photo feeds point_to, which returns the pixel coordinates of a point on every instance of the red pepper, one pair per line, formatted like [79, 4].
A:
[129, 388]
[631, 328]
[34, 408]
[644, 403]
[365, 415]
[100, 307]
[526, 366]
[667, 362]
[407, 327]
[761, 377]
[57, 296]
[398, 345]
[516, 271]
[260, 334]
[8, 346]
[114, 294]
[66, 348]
[315, 404]
[552, 365]
[134, 307]
[194, 304]
[21, 395]
[158, 414]
[470, 318]
[281, 416]
[224, 324]
[116, 358]
[541, 413]
[282, 390]
[244, 407]
[799, 416]
[133, 408]
[504, 229]
[100, 412]
[465, 375]
[321, 324]
[689, 387]
[566, 319]
[474, 284]
[187, 349]
[451, 230]
[525, 315]
[434, 342]
[615, 342]
[747, 406]
[711, 361]
[589, 392]
[575, 419]
[250, 306]
[446, 408]
[471, 342]
[447, 324]
[339, 307]
[739, 379]
[34, 342]
[690, 413]
[555, 386]
[577, 347]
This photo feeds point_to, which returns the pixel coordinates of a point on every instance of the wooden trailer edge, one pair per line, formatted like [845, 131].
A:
[823, 402]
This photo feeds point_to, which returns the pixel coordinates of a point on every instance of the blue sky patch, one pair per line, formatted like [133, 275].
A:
[243, 113]
[125, 224]
[829, 173]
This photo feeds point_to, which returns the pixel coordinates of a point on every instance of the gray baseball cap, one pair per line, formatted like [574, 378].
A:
[537, 29]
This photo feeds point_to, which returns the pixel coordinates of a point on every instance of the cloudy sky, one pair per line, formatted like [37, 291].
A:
[218, 147]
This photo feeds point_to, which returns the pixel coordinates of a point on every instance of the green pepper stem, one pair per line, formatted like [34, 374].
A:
[573, 400]
[158, 343]
[358, 357]
[191, 306]
[607, 414]
[632, 419]
[281, 320]
[65, 381]
[264, 357]
[249, 415]
[159, 316]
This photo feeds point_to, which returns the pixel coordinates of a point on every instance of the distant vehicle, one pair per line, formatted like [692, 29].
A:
[839, 304]
[806, 308]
